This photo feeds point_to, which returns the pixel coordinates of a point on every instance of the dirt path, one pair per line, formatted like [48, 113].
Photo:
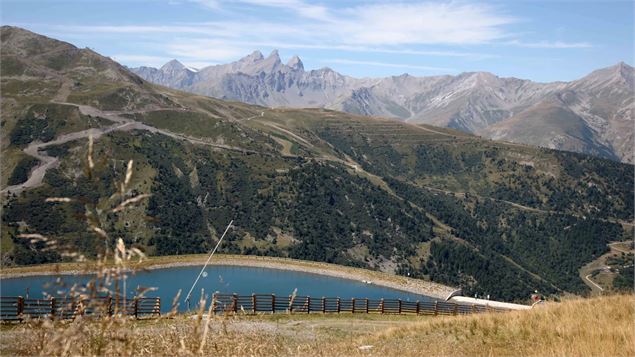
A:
[612, 246]
[600, 264]
[292, 134]
[525, 208]
[593, 283]
[37, 149]
[47, 162]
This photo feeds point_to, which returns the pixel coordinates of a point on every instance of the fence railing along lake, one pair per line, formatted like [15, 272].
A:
[263, 303]
[17, 308]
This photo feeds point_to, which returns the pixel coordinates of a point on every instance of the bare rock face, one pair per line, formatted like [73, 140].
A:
[591, 115]
[172, 74]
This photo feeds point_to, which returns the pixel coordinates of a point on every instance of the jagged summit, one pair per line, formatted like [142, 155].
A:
[295, 63]
[255, 56]
[274, 55]
[273, 59]
[479, 102]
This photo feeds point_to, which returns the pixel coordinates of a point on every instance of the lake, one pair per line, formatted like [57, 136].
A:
[217, 278]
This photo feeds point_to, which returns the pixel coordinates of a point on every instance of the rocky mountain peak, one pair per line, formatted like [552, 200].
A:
[173, 66]
[255, 56]
[295, 63]
[274, 56]
[625, 71]
[620, 74]
[480, 102]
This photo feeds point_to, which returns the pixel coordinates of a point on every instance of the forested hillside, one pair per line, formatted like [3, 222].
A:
[493, 218]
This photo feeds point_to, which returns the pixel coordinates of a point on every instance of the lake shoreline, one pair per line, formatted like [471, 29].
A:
[401, 283]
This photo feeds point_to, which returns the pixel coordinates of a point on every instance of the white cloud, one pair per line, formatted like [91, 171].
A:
[140, 60]
[310, 11]
[423, 23]
[391, 65]
[441, 29]
[132, 29]
[550, 44]
[212, 4]
[214, 51]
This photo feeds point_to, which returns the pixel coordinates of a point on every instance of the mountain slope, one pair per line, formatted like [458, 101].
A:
[481, 103]
[491, 217]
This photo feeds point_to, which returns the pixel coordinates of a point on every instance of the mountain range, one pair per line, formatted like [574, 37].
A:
[592, 115]
[433, 203]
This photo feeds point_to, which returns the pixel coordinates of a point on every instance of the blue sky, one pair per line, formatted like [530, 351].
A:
[538, 40]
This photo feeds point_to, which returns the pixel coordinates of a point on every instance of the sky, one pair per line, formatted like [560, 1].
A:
[539, 40]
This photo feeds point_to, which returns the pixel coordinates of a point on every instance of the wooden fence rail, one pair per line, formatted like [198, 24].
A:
[269, 303]
[17, 308]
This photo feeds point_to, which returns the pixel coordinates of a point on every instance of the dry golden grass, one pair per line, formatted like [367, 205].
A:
[585, 327]
[594, 327]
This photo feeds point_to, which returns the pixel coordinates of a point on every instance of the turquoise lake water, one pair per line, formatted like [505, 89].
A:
[223, 279]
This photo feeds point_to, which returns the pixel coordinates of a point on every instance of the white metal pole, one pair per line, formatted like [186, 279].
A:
[187, 299]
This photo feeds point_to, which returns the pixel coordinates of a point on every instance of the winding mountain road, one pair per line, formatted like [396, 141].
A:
[36, 149]
[592, 282]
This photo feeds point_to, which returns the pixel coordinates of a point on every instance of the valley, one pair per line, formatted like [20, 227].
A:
[317, 178]
[431, 203]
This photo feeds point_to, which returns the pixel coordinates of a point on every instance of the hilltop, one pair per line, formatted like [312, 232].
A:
[437, 204]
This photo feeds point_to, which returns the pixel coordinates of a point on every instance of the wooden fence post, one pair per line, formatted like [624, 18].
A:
[418, 307]
[338, 305]
[308, 304]
[109, 305]
[366, 305]
[136, 308]
[436, 310]
[323, 305]
[455, 308]
[52, 308]
[473, 308]
[235, 303]
[214, 298]
[290, 304]
[20, 307]
[273, 303]
[253, 303]
[399, 305]
[381, 305]
[353, 305]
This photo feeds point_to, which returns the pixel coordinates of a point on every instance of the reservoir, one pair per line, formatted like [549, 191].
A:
[224, 279]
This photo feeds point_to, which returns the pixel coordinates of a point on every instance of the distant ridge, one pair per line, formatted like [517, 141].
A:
[591, 115]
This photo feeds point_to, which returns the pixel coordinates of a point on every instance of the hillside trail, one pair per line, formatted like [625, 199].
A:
[46, 162]
[125, 124]
[600, 264]
[525, 208]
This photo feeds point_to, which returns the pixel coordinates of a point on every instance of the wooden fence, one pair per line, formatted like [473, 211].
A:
[17, 308]
[262, 303]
